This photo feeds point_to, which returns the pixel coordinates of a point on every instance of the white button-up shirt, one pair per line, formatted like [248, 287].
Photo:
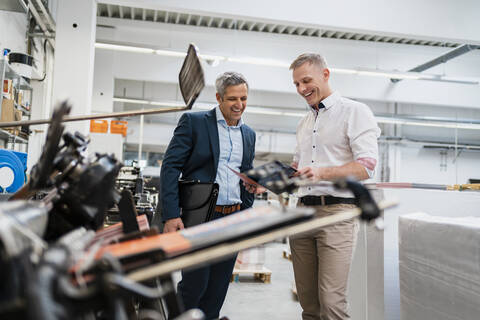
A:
[342, 132]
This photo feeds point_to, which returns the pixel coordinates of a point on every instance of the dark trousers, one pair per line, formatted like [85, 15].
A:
[206, 287]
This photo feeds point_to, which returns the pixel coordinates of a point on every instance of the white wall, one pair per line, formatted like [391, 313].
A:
[424, 166]
[106, 143]
[102, 96]
[13, 30]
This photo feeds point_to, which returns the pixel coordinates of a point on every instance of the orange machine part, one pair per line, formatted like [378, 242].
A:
[169, 242]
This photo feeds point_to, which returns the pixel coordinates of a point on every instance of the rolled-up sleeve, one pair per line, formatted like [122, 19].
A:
[363, 133]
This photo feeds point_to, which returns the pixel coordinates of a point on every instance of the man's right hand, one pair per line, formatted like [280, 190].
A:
[172, 225]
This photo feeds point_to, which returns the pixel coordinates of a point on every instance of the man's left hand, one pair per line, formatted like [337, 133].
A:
[253, 188]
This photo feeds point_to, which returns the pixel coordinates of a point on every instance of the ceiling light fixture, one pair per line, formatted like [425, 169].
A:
[423, 123]
[214, 60]
[118, 47]
[388, 74]
[260, 62]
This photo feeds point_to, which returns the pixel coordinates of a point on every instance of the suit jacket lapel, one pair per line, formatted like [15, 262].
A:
[211, 120]
[246, 147]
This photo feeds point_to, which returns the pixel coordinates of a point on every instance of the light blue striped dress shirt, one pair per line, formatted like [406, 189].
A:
[231, 154]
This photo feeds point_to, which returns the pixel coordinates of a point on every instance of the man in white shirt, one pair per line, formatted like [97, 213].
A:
[337, 138]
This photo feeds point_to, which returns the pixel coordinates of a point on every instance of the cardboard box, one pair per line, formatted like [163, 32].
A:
[20, 98]
[10, 113]
[18, 115]
[8, 110]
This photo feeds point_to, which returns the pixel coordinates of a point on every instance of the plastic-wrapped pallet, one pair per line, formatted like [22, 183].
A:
[439, 267]
[253, 258]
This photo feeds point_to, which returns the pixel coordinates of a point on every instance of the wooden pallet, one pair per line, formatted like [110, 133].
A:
[294, 291]
[261, 274]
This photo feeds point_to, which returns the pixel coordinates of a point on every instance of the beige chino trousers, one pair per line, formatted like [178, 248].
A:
[321, 264]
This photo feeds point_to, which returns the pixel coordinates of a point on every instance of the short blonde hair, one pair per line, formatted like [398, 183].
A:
[312, 58]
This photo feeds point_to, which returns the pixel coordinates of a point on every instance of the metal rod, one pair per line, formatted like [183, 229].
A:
[410, 185]
[93, 116]
[140, 139]
[42, 25]
[458, 51]
[46, 14]
[222, 250]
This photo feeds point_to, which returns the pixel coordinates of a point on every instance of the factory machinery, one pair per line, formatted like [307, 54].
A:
[145, 198]
[59, 261]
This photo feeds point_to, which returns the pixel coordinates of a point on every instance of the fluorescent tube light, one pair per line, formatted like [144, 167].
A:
[166, 103]
[457, 80]
[279, 112]
[421, 123]
[214, 60]
[128, 100]
[259, 61]
[169, 53]
[344, 71]
[388, 74]
[117, 47]
[148, 102]
[212, 57]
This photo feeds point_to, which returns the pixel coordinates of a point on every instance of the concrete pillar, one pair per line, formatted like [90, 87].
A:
[41, 109]
[74, 58]
[103, 79]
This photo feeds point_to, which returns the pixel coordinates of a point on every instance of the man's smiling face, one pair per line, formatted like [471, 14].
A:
[233, 103]
[311, 82]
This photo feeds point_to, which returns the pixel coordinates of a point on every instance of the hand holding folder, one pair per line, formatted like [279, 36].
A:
[273, 172]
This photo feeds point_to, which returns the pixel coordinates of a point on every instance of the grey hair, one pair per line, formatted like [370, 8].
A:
[312, 58]
[228, 79]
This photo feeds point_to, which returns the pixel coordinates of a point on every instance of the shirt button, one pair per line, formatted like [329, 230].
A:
[313, 147]
[312, 161]
[309, 188]
[314, 131]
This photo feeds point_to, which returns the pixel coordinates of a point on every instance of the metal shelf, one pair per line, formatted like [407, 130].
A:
[25, 111]
[6, 72]
[20, 82]
[7, 135]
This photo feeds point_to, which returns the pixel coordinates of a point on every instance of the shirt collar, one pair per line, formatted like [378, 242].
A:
[221, 119]
[329, 101]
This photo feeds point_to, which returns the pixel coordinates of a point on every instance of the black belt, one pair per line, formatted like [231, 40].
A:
[325, 200]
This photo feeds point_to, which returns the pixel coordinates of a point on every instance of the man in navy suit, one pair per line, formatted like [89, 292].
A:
[203, 145]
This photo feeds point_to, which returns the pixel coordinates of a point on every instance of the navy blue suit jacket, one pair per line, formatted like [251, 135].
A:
[193, 152]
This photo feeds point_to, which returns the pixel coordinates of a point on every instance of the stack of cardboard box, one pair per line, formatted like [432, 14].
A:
[9, 111]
